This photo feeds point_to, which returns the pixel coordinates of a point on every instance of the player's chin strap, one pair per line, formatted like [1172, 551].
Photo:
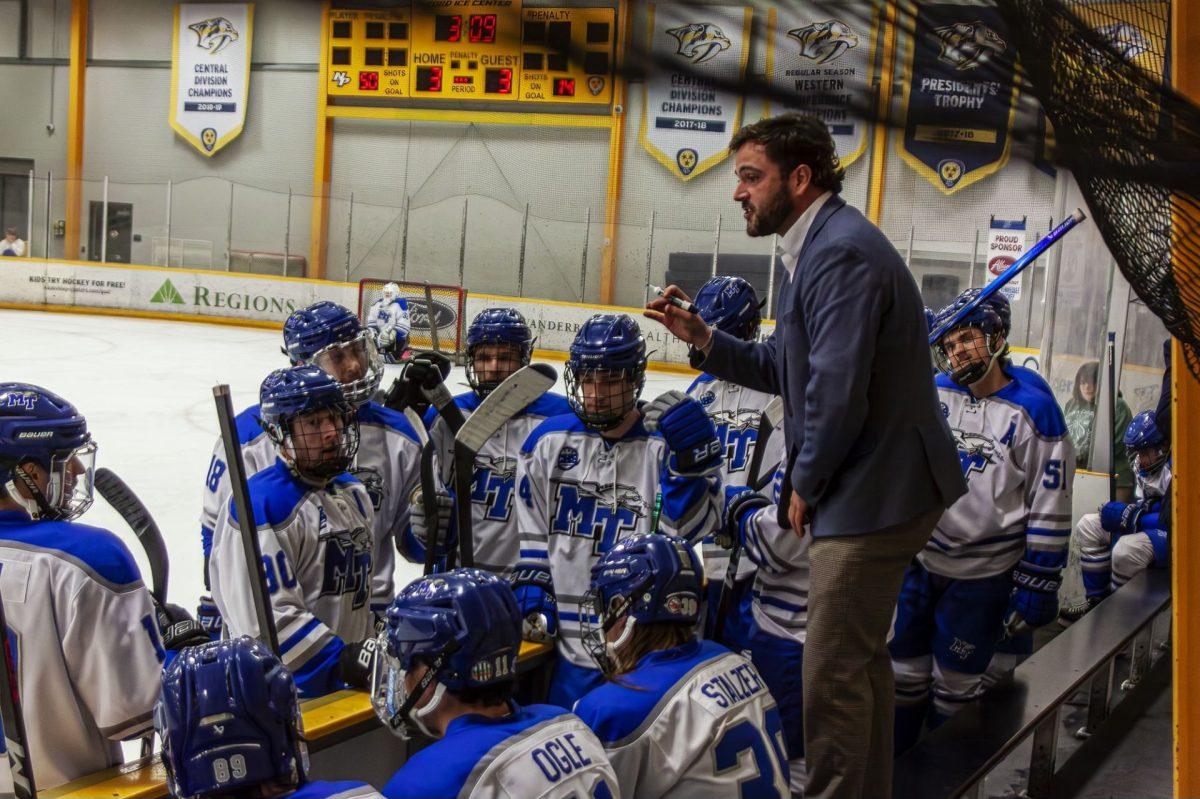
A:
[38, 507]
[405, 713]
[611, 619]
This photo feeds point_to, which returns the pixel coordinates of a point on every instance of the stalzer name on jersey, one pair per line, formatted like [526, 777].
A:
[1019, 466]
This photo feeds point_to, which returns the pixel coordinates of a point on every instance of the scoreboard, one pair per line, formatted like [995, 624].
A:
[473, 50]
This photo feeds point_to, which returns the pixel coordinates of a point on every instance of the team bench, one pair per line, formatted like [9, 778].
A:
[954, 760]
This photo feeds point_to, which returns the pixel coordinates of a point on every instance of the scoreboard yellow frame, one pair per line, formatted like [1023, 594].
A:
[397, 80]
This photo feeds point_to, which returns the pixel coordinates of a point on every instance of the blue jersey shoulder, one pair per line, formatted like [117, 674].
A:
[320, 789]
[274, 495]
[563, 423]
[249, 425]
[704, 377]
[377, 414]
[94, 548]
[615, 710]
[442, 768]
[1028, 390]
[549, 404]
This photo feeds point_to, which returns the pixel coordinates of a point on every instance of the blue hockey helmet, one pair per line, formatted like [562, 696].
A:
[650, 579]
[329, 336]
[930, 320]
[965, 362]
[608, 356]
[731, 305]
[229, 719]
[40, 427]
[328, 448]
[464, 626]
[497, 326]
[1144, 435]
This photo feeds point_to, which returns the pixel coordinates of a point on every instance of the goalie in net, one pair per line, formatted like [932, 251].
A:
[416, 316]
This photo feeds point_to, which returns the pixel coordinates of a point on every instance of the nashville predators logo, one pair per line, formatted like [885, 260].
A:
[208, 137]
[966, 45]
[1128, 41]
[686, 159]
[214, 34]
[824, 41]
[699, 41]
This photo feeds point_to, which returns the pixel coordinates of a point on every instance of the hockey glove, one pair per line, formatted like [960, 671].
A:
[687, 429]
[1120, 517]
[423, 370]
[1035, 600]
[740, 502]
[178, 628]
[534, 591]
[210, 617]
[443, 525]
[356, 663]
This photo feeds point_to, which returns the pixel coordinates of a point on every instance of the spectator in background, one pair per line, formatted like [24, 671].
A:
[1081, 418]
[12, 246]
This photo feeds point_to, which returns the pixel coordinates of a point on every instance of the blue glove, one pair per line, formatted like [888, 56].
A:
[534, 591]
[685, 425]
[740, 501]
[1035, 600]
[1160, 541]
[210, 618]
[1120, 517]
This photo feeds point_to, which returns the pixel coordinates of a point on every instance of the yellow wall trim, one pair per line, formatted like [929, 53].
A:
[170, 317]
[182, 271]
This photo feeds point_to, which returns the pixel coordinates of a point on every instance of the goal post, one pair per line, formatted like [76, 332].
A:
[437, 313]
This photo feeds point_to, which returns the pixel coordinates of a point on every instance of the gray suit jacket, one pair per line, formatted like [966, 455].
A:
[868, 446]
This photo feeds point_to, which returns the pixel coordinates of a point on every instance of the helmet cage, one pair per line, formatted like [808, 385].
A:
[69, 484]
[484, 382]
[286, 438]
[983, 352]
[597, 618]
[361, 350]
[395, 706]
[1161, 455]
[610, 406]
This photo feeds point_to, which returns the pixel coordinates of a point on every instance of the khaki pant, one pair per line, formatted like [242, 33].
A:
[848, 683]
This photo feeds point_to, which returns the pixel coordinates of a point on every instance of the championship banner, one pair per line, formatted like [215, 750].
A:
[210, 72]
[824, 62]
[687, 121]
[960, 96]
[1006, 243]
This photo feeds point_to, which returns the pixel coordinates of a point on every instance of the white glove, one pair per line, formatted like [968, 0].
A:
[445, 517]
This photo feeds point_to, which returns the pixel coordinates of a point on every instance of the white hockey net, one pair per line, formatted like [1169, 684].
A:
[437, 312]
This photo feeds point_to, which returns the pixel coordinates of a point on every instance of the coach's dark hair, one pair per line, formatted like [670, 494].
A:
[793, 139]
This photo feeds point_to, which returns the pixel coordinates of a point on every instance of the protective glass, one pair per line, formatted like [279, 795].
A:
[356, 364]
[72, 477]
[602, 398]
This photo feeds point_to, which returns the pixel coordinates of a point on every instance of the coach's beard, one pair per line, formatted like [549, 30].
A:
[766, 220]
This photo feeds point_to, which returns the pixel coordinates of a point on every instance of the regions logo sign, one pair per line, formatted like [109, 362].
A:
[168, 293]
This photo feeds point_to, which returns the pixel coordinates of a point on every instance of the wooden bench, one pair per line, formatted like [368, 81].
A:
[346, 741]
[954, 759]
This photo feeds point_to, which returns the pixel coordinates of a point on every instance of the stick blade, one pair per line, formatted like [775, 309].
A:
[506, 400]
[125, 502]
[774, 412]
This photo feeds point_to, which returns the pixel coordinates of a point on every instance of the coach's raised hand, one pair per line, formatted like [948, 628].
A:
[686, 326]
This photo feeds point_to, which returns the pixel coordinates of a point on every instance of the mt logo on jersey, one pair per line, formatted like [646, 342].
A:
[975, 452]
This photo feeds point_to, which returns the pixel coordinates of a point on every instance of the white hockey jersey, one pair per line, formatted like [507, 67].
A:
[537, 752]
[494, 525]
[780, 592]
[388, 464]
[316, 548]
[258, 452]
[692, 722]
[1019, 465]
[383, 316]
[85, 643]
[736, 412]
[582, 493]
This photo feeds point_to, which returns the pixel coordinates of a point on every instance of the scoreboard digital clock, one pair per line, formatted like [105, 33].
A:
[473, 50]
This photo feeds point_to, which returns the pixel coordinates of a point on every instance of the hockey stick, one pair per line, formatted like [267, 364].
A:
[1110, 354]
[1025, 260]
[505, 401]
[772, 417]
[418, 425]
[15, 740]
[429, 504]
[130, 508]
[248, 524]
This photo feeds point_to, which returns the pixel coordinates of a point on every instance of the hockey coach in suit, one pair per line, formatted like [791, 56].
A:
[871, 461]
